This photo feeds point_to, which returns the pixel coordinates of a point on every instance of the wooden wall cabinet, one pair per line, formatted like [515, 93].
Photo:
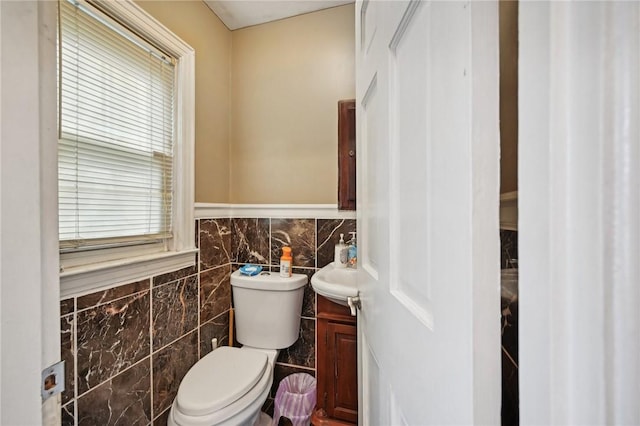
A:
[347, 155]
[337, 369]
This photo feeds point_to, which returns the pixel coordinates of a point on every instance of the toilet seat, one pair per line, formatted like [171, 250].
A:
[248, 361]
[219, 379]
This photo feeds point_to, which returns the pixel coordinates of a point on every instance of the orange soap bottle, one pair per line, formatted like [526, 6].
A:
[286, 262]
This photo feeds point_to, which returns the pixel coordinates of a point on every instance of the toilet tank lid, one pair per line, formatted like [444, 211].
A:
[219, 379]
[269, 281]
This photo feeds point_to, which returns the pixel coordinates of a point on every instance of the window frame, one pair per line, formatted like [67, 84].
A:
[92, 270]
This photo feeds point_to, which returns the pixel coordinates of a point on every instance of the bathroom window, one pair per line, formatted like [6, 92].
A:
[125, 136]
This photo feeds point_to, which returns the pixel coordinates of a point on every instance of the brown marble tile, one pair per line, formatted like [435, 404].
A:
[509, 321]
[175, 310]
[175, 275]
[303, 352]
[235, 342]
[215, 243]
[215, 292]
[510, 395]
[250, 241]
[162, 419]
[282, 371]
[67, 353]
[300, 235]
[508, 249]
[124, 400]
[67, 306]
[309, 301]
[218, 328]
[267, 407]
[169, 367]
[197, 236]
[329, 231]
[106, 296]
[67, 413]
[111, 338]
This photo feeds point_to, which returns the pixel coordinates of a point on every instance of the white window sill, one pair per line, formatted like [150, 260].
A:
[100, 276]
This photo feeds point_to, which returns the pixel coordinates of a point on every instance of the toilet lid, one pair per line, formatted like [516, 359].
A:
[219, 379]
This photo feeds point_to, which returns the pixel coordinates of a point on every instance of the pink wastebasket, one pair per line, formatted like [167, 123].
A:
[295, 399]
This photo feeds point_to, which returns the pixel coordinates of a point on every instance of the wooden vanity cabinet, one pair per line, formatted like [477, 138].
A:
[337, 369]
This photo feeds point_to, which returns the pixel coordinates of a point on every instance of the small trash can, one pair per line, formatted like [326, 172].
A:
[295, 399]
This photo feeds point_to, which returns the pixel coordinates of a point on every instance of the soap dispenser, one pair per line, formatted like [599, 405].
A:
[352, 252]
[340, 255]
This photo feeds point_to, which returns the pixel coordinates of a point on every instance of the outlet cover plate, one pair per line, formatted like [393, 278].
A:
[52, 380]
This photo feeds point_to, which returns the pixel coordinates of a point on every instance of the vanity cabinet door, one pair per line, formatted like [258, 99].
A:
[337, 362]
[342, 389]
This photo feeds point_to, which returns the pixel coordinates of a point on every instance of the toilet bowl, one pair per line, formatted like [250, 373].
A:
[230, 385]
[226, 387]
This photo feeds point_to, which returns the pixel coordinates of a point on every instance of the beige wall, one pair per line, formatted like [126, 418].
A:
[508, 95]
[266, 102]
[194, 22]
[287, 78]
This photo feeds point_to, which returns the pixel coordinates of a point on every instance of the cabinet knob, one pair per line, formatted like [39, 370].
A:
[351, 153]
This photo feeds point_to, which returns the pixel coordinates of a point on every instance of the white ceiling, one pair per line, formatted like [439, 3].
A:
[243, 13]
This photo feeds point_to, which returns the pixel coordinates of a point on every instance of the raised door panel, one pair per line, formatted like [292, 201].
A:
[342, 390]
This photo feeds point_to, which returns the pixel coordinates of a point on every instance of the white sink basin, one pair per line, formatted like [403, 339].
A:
[336, 284]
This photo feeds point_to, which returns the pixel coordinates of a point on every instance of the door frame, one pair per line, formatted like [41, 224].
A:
[29, 295]
[579, 212]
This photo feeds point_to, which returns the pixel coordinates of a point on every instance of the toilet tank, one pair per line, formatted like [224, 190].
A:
[267, 308]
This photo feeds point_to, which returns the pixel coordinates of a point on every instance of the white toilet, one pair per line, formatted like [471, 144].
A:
[230, 385]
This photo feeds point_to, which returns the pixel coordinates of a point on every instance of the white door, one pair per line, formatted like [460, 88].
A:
[428, 187]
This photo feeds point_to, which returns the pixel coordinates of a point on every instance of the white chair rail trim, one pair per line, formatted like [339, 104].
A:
[293, 211]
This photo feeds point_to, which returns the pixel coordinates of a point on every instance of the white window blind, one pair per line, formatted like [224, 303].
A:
[116, 134]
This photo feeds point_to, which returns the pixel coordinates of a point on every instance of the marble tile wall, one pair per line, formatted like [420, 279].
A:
[508, 249]
[127, 348]
[312, 240]
[509, 262]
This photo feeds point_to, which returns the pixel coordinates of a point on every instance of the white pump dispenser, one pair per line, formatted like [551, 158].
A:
[340, 255]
